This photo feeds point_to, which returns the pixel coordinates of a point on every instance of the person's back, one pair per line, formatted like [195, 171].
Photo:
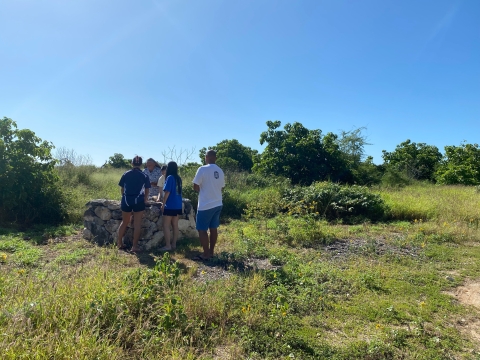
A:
[133, 182]
[211, 181]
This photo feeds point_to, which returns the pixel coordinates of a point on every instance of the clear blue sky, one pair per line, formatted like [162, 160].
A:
[137, 77]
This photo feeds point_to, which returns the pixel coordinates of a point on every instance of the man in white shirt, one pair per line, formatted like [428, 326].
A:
[209, 183]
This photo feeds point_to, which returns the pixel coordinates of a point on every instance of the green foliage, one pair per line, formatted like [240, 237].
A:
[352, 145]
[419, 161]
[31, 190]
[461, 165]
[395, 178]
[118, 161]
[350, 204]
[367, 173]
[232, 156]
[301, 154]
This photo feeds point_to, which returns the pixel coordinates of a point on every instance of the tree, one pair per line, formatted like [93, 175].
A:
[31, 190]
[460, 165]
[352, 145]
[118, 161]
[418, 161]
[301, 154]
[231, 155]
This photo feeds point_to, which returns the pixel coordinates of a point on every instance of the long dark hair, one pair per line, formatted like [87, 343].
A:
[172, 169]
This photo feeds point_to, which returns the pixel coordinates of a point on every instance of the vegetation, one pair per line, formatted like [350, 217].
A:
[118, 161]
[30, 191]
[302, 155]
[461, 165]
[232, 156]
[305, 268]
[291, 287]
[417, 161]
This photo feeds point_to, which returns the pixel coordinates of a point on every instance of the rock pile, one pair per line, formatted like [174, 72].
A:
[103, 217]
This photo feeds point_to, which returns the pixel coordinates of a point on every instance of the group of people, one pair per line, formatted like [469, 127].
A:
[163, 184]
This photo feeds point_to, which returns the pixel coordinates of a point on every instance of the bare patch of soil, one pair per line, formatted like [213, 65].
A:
[359, 246]
[220, 268]
[469, 294]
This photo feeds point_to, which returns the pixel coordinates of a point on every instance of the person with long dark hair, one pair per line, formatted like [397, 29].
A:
[172, 205]
[135, 186]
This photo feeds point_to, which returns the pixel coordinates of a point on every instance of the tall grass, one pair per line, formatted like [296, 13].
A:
[433, 202]
[84, 183]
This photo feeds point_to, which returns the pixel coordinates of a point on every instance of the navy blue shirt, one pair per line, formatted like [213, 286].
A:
[134, 183]
[174, 201]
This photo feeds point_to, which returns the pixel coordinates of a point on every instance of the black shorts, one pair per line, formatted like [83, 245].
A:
[129, 205]
[172, 212]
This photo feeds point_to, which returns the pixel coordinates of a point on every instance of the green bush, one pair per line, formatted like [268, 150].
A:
[31, 191]
[350, 204]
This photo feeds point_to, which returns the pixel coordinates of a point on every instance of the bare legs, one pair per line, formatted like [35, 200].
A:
[167, 221]
[208, 244]
[137, 228]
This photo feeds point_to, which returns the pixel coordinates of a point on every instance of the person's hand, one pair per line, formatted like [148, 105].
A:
[163, 208]
[158, 198]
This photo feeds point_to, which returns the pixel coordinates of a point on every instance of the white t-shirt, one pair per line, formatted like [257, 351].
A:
[211, 180]
[160, 184]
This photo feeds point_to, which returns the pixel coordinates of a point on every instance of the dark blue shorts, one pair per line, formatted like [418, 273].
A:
[172, 212]
[135, 204]
[208, 219]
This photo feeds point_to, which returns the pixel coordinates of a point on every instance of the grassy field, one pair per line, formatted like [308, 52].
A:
[280, 288]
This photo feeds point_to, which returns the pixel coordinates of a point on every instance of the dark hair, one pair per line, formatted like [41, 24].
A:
[172, 169]
[151, 159]
[164, 167]
[137, 161]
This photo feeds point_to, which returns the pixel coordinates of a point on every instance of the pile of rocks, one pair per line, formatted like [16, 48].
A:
[103, 217]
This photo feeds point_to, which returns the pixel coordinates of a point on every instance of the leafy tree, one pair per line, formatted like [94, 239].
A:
[418, 161]
[460, 165]
[30, 186]
[352, 145]
[367, 173]
[118, 161]
[301, 154]
[231, 155]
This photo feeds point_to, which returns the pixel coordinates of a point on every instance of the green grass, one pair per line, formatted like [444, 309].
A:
[432, 202]
[379, 291]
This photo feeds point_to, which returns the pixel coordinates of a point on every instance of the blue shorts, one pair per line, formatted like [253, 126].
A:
[208, 219]
[132, 204]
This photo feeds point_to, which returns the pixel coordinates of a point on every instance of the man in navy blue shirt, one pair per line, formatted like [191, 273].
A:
[135, 186]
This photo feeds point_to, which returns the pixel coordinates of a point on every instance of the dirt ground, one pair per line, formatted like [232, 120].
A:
[469, 294]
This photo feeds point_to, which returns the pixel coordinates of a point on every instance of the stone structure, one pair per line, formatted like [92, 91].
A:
[103, 217]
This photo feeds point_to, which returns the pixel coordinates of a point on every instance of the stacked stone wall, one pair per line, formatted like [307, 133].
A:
[103, 217]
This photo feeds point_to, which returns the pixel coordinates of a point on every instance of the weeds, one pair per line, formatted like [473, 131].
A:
[331, 290]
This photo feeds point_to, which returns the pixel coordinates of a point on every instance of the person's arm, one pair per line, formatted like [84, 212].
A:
[161, 182]
[122, 190]
[197, 180]
[165, 198]
[147, 191]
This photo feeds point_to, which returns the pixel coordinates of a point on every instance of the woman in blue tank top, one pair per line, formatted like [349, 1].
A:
[172, 205]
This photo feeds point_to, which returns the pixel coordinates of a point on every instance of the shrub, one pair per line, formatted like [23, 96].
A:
[461, 165]
[351, 204]
[31, 190]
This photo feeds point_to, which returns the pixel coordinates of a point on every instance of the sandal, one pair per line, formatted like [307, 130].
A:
[164, 249]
